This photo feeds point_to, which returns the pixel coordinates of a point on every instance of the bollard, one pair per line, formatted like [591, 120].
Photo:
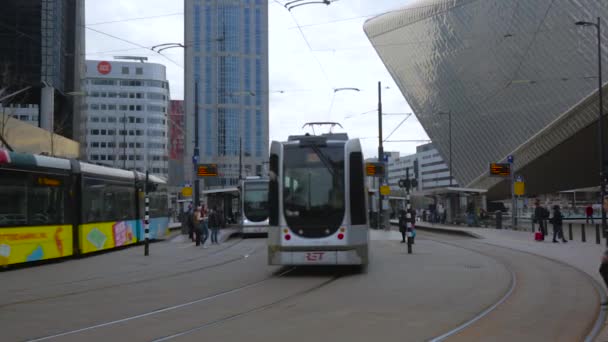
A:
[597, 234]
[584, 233]
[570, 230]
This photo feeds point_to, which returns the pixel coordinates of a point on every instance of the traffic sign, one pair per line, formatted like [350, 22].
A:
[385, 190]
[519, 188]
[187, 192]
[194, 159]
[500, 169]
[510, 159]
[206, 170]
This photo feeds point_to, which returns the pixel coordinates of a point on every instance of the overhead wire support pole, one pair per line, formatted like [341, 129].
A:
[380, 154]
[408, 216]
[196, 150]
[147, 217]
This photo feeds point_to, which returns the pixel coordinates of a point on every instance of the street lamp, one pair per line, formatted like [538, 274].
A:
[449, 114]
[601, 119]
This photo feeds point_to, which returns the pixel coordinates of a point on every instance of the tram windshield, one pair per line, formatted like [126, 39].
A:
[256, 201]
[313, 191]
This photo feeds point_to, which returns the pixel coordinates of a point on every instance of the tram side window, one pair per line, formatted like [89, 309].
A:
[357, 190]
[159, 207]
[13, 200]
[31, 200]
[273, 190]
[105, 201]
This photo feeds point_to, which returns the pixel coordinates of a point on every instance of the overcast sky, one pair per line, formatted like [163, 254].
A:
[302, 78]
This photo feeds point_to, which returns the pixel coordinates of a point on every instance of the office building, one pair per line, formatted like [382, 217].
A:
[227, 56]
[126, 116]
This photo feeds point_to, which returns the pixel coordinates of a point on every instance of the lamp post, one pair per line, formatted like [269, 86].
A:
[449, 114]
[603, 181]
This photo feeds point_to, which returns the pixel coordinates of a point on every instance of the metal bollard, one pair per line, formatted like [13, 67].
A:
[597, 234]
[584, 233]
[570, 230]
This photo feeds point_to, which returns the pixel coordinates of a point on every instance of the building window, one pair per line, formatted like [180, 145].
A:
[139, 71]
[94, 157]
[94, 144]
[102, 145]
[125, 70]
[94, 132]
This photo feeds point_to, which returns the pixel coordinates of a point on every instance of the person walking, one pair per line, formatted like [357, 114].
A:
[214, 224]
[604, 271]
[402, 224]
[589, 213]
[197, 222]
[188, 224]
[204, 225]
[557, 220]
[540, 215]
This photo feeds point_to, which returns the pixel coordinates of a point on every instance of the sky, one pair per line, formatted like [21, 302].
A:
[330, 51]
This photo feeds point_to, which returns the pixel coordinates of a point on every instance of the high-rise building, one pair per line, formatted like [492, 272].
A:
[227, 56]
[42, 47]
[126, 116]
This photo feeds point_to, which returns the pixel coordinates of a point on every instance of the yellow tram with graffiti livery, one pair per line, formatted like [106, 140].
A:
[54, 208]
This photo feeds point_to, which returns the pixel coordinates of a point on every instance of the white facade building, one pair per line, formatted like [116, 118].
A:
[125, 115]
[426, 165]
[25, 112]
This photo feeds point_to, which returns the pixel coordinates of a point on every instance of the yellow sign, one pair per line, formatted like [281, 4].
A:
[519, 188]
[27, 244]
[95, 237]
[385, 190]
[187, 191]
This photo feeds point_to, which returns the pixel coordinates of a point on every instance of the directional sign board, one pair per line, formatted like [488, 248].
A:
[500, 169]
[206, 170]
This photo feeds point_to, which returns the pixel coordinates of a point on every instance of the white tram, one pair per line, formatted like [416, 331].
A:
[318, 208]
[254, 205]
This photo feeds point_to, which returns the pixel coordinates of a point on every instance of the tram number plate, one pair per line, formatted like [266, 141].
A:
[314, 256]
[325, 257]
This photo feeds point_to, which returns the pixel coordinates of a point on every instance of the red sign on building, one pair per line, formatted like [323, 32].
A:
[176, 130]
[104, 67]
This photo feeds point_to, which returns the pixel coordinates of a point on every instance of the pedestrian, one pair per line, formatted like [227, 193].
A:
[197, 222]
[402, 224]
[214, 224]
[589, 213]
[204, 227]
[557, 220]
[604, 271]
[187, 226]
[540, 214]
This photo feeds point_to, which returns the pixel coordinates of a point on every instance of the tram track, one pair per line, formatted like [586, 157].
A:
[513, 287]
[145, 280]
[212, 322]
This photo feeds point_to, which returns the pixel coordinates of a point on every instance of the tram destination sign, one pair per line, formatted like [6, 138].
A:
[500, 169]
[206, 170]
